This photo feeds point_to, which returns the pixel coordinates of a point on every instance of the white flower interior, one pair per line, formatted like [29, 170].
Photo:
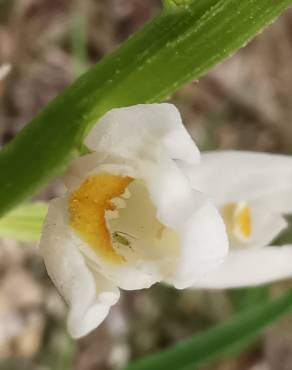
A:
[115, 216]
[135, 230]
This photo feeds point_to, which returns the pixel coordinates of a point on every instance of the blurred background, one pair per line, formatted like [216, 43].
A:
[245, 103]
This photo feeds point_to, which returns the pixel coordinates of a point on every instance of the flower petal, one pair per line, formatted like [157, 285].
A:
[81, 321]
[203, 239]
[231, 176]
[204, 246]
[131, 135]
[277, 202]
[88, 295]
[250, 267]
[79, 169]
[137, 133]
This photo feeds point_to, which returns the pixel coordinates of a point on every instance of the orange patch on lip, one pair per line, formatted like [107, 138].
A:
[87, 207]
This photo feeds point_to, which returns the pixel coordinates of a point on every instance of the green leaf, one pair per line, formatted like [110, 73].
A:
[173, 49]
[247, 298]
[175, 4]
[219, 341]
[24, 223]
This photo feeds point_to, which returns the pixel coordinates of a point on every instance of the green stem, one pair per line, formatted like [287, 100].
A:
[173, 49]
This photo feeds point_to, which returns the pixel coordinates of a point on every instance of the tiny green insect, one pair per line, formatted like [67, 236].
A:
[118, 236]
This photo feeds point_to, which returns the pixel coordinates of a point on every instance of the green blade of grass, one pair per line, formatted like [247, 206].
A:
[79, 38]
[173, 49]
[219, 341]
[245, 298]
[25, 222]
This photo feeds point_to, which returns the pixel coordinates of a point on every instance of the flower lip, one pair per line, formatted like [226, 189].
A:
[87, 209]
[243, 221]
[116, 222]
[238, 221]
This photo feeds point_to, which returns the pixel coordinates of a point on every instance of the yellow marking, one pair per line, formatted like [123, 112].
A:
[242, 218]
[87, 207]
[238, 221]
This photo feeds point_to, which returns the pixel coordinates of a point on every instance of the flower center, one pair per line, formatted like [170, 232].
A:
[238, 220]
[87, 212]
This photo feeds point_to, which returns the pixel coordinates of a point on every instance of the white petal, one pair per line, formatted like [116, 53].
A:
[200, 228]
[204, 246]
[82, 321]
[133, 134]
[250, 267]
[79, 169]
[139, 274]
[137, 132]
[277, 202]
[230, 176]
[88, 295]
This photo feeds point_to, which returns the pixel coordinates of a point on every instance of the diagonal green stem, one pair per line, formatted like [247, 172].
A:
[25, 222]
[173, 49]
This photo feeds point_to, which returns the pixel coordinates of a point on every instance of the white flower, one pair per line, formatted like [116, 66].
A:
[130, 217]
[253, 192]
